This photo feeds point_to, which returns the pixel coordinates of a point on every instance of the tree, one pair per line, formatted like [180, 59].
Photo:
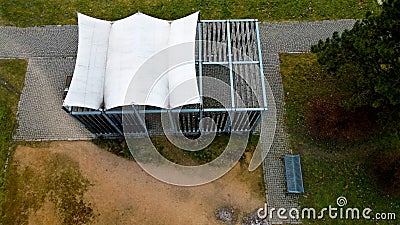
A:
[364, 62]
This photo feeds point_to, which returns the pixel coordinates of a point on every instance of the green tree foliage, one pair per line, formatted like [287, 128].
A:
[364, 62]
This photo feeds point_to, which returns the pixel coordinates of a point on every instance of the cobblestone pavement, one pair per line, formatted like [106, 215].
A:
[40, 116]
[31, 42]
[51, 51]
[298, 36]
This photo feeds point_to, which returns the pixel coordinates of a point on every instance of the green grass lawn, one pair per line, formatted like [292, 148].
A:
[13, 71]
[44, 12]
[330, 169]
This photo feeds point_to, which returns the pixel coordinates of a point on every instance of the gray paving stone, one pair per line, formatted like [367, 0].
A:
[40, 116]
[47, 41]
[273, 167]
[282, 37]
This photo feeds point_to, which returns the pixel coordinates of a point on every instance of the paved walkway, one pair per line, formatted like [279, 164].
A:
[51, 51]
[40, 116]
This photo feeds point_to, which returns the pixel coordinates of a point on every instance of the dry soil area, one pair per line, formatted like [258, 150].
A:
[107, 189]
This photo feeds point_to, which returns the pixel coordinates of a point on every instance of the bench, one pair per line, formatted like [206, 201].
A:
[294, 177]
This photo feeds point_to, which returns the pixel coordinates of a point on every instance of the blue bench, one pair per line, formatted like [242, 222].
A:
[294, 177]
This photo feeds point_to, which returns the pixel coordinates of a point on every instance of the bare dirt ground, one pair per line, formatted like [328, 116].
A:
[108, 189]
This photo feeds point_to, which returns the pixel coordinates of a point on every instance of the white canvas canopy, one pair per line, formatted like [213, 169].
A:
[136, 60]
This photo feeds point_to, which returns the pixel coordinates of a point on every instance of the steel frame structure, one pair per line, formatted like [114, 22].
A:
[222, 45]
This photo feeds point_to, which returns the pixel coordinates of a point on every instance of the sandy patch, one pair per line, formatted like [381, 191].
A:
[122, 193]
